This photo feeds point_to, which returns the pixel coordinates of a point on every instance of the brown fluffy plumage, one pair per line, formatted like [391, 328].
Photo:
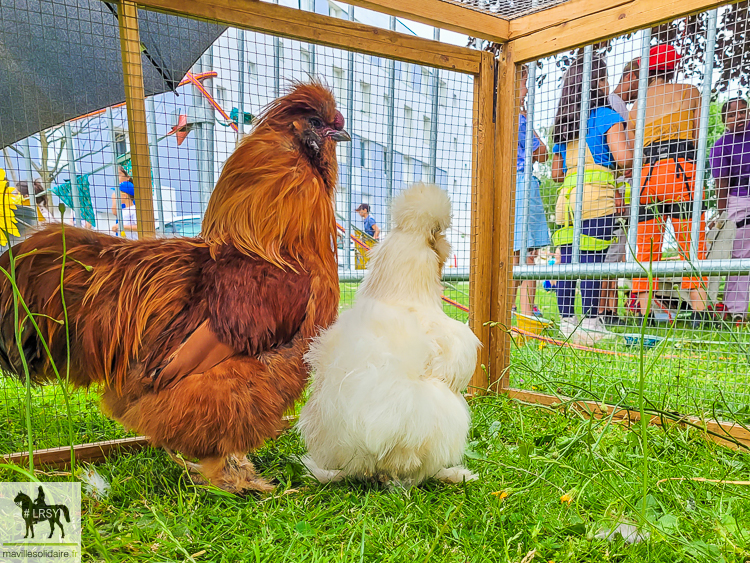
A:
[198, 343]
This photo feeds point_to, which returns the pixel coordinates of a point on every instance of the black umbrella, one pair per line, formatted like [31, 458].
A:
[60, 59]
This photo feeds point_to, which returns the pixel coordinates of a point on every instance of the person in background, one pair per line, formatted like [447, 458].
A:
[668, 175]
[538, 233]
[730, 167]
[625, 94]
[606, 151]
[371, 227]
[40, 201]
[129, 228]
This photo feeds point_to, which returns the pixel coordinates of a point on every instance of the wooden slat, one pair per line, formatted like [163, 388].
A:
[130, 46]
[503, 203]
[323, 30]
[94, 452]
[445, 15]
[725, 433]
[582, 22]
[480, 275]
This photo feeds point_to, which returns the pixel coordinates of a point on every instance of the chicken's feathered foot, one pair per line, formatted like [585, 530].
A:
[234, 473]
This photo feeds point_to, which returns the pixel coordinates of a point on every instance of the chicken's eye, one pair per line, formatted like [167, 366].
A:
[315, 122]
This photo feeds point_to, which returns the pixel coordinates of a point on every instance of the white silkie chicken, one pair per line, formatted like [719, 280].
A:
[386, 399]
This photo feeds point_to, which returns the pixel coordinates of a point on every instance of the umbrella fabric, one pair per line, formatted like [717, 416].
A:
[60, 59]
[65, 194]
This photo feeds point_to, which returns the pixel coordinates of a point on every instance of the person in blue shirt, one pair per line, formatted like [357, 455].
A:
[537, 233]
[371, 227]
[607, 154]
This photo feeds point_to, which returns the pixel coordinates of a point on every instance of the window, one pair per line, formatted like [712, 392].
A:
[454, 147]
[305, 61]
[221, 95]
[386, 100]
[408, 170]
[121, 140]
[425, 76]
[252, 70]
[455, 100]
[364, 154]
[308, 5]
[416, 78]
[443, 93]
[427, 129]
[408, 121]
[335, 11]
[338, 83]
[365, 89]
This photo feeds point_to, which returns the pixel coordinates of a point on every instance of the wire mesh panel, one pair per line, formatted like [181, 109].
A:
[408, 124]
[650, 259]
[507, 9]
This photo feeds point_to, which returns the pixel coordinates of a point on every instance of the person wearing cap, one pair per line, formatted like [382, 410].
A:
[668, 174]
[371, 227]
[129, 228]
[730, 166]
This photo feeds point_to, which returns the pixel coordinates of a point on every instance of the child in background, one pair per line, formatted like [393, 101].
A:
[538, 233]
[607, 151]
[730, 166]
[668, 174]
[129, 228]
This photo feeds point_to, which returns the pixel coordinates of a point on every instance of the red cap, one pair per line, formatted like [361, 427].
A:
[662, 57]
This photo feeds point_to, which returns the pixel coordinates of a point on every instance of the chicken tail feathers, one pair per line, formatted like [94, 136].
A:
[35, 268]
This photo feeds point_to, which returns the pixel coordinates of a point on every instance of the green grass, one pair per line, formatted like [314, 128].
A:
[527, 457]
[693, 372]
[533, 454]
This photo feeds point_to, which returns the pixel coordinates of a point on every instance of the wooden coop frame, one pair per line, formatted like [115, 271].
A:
[570, 24]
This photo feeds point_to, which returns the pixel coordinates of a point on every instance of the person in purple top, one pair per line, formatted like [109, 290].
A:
[730, 166]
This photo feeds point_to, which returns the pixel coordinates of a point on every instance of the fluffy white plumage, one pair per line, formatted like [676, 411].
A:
[386, 396]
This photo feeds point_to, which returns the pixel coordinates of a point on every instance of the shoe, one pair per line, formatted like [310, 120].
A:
[596, 328]
[698, 319]
[568, 326]
[590, 331]
[719, 311]
[612, 319]
[537, 312]
[738, 319]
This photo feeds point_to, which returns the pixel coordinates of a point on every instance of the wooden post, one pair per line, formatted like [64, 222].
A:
[504, 200]
[130, 46]
[482, 213]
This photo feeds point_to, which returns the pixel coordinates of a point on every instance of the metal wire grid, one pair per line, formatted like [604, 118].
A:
[507, 9]
[418, 118]
[656, 172]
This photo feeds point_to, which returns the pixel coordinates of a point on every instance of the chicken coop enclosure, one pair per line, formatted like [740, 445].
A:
[160, 92]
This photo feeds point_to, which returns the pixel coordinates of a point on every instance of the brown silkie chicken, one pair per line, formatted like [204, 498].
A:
[198, 343]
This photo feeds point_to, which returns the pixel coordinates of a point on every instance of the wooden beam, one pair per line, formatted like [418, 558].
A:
[582, 22]
[482, 212]
[135, 103]
[93, 452]
[445, 15]
[323, 30]
[726, 434]
[503, 204]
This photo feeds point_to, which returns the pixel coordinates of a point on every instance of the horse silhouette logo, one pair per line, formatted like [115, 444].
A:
[38, 511]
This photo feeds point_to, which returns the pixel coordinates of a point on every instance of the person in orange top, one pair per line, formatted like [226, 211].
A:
[668, 173]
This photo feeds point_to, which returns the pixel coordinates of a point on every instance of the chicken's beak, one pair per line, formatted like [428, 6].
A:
[340, 136]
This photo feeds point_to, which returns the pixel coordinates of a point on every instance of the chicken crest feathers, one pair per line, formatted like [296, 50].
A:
[270, 199]
[422, 208]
